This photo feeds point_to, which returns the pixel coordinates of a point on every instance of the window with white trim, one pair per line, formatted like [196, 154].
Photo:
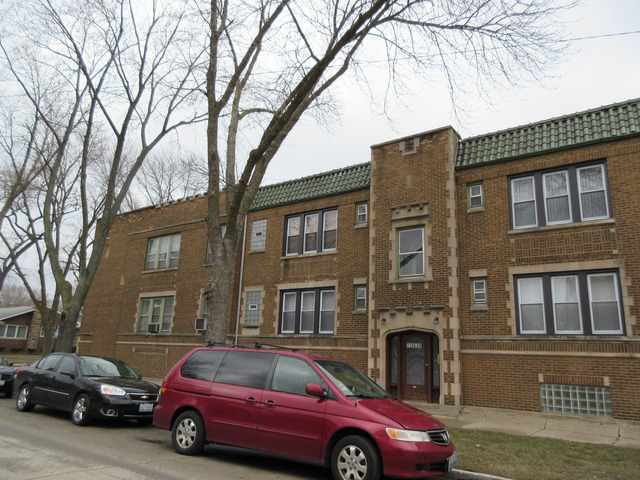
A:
[476, 198]
[155, 311]
[311, 232]
[13, 331]
[479, 291]
[573, 303]
[361, 213]
[411, 252]
[308, 311]
[574, 194]
[360, 297]
[163, 252]
[253, 299]
[258, 235]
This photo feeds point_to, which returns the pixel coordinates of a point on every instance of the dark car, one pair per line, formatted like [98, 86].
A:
[302, 406]
[87, 386]
[6, 377]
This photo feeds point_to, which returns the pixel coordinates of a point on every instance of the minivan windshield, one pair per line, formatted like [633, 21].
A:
[350, 381]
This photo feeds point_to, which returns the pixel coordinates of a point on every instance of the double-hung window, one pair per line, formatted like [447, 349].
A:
[574, 194]
[311, 232]
[308, 312]
[360, 297]
[478, 292]
[156, 312]
[163, 252]
[361, 213]
[411, 252]
[574, 303]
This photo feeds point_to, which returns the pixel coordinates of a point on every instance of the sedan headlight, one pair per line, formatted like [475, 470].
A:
[111, 390]
[407, 435]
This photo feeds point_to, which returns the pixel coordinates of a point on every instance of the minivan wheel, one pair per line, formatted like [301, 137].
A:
[23, 401]
[355, 458]
[187, 434]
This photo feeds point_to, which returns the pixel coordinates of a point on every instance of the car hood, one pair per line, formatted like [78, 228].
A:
[129, 384]
[5, 369]
[406, 415]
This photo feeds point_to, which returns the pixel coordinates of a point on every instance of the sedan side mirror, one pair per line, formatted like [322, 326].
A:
[315, 390]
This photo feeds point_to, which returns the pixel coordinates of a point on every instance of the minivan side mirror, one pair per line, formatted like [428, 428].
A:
[315, 390]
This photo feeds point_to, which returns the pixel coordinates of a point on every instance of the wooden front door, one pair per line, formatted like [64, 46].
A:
[414, 370]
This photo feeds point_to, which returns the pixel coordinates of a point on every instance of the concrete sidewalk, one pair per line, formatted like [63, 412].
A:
[602, 431]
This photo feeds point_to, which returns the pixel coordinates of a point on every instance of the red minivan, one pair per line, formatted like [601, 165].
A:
[299, 405]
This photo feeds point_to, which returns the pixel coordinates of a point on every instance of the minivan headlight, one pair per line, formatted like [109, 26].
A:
[111, 390]
[407, 435]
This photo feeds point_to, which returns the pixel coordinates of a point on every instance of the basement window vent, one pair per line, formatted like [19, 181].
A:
[581, 400]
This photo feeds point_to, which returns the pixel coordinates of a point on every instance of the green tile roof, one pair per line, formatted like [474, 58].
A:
[349, 179]
[592, 126]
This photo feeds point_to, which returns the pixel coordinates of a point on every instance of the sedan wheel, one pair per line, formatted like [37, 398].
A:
[23, 402]
[80, 412]
[355, 458]
[187, 435]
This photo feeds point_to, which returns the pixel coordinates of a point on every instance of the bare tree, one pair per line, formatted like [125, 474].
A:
[14, 295]
[169, 175]
[109, 80]
[272, 61]
[20, 165]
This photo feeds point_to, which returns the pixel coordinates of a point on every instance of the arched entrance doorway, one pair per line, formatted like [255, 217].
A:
[413, 369]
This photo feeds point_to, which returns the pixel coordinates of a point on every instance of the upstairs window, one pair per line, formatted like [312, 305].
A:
[253, 300]
[476, 199]
[361, 213]
[258, 235]
[155, 315]
[223, 232]
[575, 194]
[311, 232]
[411, 252]
[360, 297]
[478, 292]
[575, 303]
[163, 252]
[308, 311]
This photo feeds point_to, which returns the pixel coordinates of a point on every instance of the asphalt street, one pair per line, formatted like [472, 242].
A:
[44, 444]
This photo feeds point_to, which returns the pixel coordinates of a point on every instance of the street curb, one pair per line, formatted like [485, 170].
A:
[467, 475]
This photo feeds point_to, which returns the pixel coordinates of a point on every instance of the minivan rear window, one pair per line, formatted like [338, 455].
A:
[246, 369]
[203, 365]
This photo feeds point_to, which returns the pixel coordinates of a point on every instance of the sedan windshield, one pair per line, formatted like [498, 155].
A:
[350, 381]
[105, 367]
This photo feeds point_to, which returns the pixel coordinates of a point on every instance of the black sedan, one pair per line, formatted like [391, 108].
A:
[6, 377]
[87, 386]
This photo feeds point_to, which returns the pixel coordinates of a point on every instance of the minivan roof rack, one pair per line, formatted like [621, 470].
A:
[260, 345]
[227, 345]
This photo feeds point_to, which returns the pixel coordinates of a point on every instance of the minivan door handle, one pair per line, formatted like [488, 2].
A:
[270, 403]
[251, 400]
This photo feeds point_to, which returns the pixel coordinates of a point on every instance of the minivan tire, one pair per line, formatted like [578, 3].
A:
[355, 458]
[187, 434]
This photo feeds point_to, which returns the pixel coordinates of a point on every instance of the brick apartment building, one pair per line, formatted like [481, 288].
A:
[499, 271]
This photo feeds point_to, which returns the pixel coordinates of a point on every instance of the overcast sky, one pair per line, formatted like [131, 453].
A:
[604, 69]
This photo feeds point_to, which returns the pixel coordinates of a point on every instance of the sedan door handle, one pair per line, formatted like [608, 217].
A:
[250, 400]
[271, 403]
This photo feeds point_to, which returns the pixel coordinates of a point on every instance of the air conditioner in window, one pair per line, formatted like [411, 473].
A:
[153, 328]
[200, 324]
